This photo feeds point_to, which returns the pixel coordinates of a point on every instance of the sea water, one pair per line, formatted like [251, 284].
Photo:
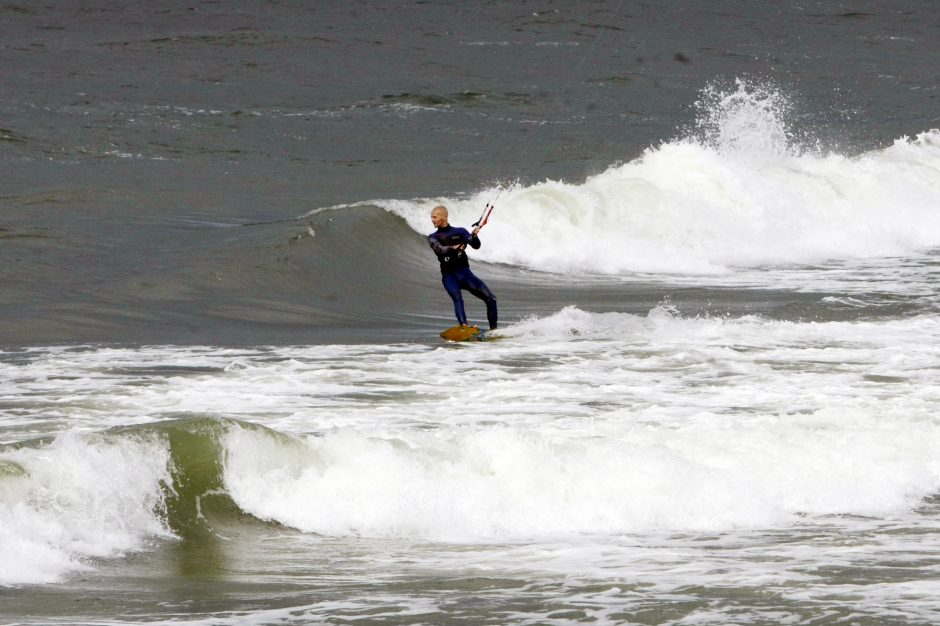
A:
[713, 397]
[599, 465]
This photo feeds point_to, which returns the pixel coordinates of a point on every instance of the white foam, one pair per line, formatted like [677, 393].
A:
[80, 498]
[502, 483]
[574, 424]
[740, 191]
[675, 424]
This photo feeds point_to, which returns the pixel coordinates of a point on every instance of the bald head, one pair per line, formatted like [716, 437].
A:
[439, 216]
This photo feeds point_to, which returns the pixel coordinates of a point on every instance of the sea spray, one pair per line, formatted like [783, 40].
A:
[751, 120]
[738, 192]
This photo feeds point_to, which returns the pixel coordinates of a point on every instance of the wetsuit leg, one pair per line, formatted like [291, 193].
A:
[452, 285]
[477, 287]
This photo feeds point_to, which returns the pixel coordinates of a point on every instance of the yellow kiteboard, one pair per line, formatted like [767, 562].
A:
[464, 333]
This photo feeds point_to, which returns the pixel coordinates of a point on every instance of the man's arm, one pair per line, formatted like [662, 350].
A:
[439, 248]
[473, 240]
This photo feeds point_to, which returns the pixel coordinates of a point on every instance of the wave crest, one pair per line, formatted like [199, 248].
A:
[741, 191]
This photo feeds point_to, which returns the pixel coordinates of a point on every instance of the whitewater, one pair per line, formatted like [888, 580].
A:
[741, 189]
[623, 443]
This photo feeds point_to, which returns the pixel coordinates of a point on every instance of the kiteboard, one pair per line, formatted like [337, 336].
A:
[464, 333]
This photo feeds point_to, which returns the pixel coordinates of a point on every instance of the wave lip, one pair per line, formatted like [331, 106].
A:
[75, 500]
[505, 484]
[84, 497]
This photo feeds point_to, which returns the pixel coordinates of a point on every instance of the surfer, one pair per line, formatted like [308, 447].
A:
[449, 244]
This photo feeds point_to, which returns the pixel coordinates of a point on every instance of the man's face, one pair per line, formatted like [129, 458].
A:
[438, 218]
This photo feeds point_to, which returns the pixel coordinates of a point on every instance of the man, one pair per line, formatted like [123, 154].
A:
[449, 244]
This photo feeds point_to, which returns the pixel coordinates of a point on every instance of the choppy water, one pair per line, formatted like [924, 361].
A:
[714, 396]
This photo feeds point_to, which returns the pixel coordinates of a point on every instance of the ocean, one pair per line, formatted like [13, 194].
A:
[714, 395]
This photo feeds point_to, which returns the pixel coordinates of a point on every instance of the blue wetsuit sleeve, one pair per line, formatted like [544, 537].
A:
[439, 248]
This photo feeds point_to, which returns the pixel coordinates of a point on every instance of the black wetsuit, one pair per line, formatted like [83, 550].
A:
[455, 271]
